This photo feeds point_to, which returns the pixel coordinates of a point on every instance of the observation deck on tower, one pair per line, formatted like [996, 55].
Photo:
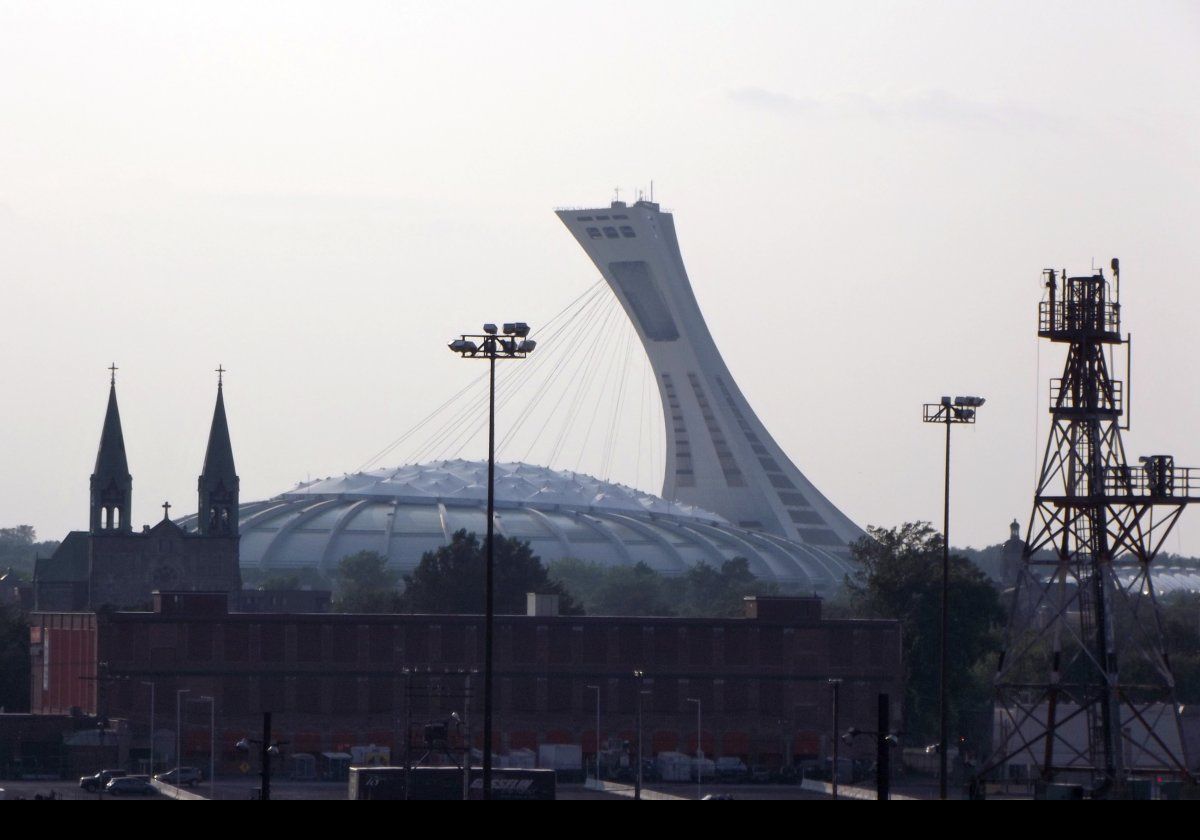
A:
[719, 456]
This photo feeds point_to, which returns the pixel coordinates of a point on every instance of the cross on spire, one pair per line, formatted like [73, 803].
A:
[112, 373]
[220, 374]
[166, 506]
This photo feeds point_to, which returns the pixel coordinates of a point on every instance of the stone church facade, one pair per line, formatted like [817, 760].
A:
[112, 566]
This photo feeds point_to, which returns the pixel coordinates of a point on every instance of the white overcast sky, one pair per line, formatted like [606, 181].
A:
[319, 195]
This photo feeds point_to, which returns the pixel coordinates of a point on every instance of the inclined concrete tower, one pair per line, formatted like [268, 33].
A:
[719, 455]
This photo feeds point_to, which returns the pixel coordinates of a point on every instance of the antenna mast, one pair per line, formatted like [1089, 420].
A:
[1084, 688]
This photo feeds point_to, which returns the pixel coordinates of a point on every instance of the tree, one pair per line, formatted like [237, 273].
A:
[451, 579]
[365, 584]
[636, 590]
[617, 590]
[1180, 613]
[14, 659]
[703, 590]
[721, 593]
[277, 579]
[900, 577]
[583, 579]
[19, 547]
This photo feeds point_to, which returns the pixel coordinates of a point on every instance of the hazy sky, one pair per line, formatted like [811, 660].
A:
[319, 195]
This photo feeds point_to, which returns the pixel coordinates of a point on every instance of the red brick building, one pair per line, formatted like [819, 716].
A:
[336, 680]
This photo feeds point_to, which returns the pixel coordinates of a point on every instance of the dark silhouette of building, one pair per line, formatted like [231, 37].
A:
[333, 681]
[111, 565]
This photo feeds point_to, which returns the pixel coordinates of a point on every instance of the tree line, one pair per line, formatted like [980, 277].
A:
[450, 579]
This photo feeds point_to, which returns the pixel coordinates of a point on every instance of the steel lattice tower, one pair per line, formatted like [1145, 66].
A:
[1084, 687]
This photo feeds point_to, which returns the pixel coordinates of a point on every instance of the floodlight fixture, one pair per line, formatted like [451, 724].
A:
[948, 412]
[490, 346]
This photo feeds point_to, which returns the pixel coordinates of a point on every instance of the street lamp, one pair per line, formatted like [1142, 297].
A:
[699, 747]
[268, 748]
[152, 709]
[947, 412]
[836, 685]
[212, 743]
[640, 676]
[514, 344]
[407, 731]
[179, 735]
[885, 740]
[596, 689]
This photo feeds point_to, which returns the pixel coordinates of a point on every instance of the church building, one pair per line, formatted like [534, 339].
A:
[112, 566]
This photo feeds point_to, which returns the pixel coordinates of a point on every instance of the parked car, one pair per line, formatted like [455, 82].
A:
[761, 774]
[100, 780]
[731, 769]
[131, 786]
[181, 776]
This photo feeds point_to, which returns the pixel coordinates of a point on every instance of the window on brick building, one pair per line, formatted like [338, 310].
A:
[237, 642]
[524, 643]
[308, 642]
[454, 643]
[416, 644]
[770, 695]
[308, 695]
[345, 694]
[524, 694]
[199, 642]
[737, 695]
[736, 646]
[235, 695]
[558, 694]
[380, 695]
[630, 642]
[270, 691]
[666, 647]
[700, 646]
[595, 645]
[560, 645]
[666, 697]
[381, 643]
[271, 642]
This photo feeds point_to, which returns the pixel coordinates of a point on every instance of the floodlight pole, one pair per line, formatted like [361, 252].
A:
[640, 676]
[179, 735]
[699, 749]
[596, 688]
[489, 616]
[491, 347]
[943, 727]
[152, 707]
[947, 411]
[835, 683]
[212, 747]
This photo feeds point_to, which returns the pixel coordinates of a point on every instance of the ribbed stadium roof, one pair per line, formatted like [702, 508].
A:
[407, 511]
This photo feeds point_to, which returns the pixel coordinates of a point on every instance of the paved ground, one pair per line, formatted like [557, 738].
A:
[247, 788]
[65, 789]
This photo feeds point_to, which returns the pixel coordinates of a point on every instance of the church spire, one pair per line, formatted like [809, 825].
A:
[218, 485]
[111, 483]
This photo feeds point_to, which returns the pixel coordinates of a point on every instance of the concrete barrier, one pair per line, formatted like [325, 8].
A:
[627, 790]
[176, 792]
[845, 791]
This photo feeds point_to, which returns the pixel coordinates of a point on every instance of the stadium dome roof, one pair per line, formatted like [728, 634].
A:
[407, 511]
